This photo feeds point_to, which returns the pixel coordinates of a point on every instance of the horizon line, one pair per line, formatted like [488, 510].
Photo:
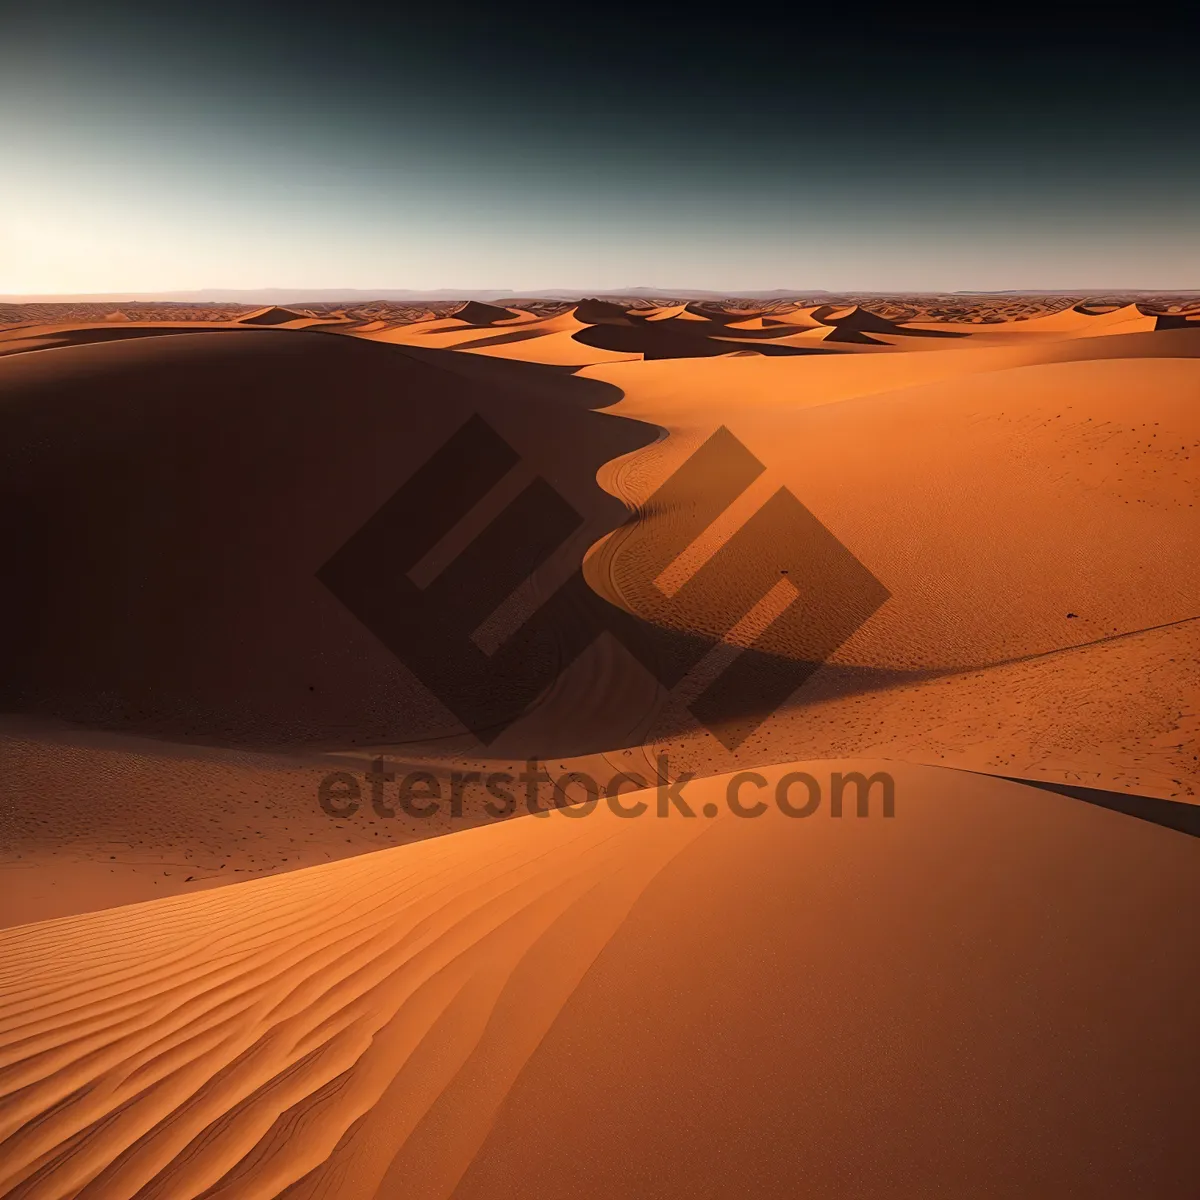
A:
[215, 295]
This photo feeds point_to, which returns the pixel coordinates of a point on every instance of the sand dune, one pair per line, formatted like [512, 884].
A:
[669, 312]
[681, 331]
[1107, 446]
[388, 1025]
[802, 316]
[475, 313]
[44, 337]
[598, 330]
[1129, 318]
[593, 312]
[789, 335]
[857, 324]
[687, 335]
[274, 315]
[166, 608]
[966, 442]
[165, 819]
[560, 349]
[547, 340]
[1076, 321]
[986, 994]
[1005, 437]
[467, 321]
[1081, 490]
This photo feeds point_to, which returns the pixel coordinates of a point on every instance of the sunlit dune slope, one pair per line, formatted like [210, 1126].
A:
[554, 348]
[991, 502]
[987, 987]
[164, 818]
[1079, 320]
[548, 340]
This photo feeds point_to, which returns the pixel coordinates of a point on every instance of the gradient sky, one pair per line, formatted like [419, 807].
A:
[594, 147]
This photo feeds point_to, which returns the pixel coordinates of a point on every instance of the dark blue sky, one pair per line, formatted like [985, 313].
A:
[595, 147]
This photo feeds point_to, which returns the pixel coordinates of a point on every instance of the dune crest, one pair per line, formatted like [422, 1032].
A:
[274, 315]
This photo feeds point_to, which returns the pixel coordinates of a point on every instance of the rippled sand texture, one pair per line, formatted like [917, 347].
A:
[983, 993]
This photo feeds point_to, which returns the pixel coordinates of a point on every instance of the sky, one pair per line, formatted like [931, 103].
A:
[158, 148]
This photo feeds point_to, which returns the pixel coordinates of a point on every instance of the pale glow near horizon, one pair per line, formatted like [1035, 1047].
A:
[137, 214]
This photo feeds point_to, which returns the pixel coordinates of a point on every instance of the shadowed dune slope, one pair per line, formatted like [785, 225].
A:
[677, 338]
[981, 995]
[1176, 321]
[273, 316]
[688, 333]
[167, 502]
[859, 323]
[592, 311]
[475, 313]
[49, 337]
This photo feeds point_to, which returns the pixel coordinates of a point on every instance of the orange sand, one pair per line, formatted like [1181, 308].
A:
[210, 987]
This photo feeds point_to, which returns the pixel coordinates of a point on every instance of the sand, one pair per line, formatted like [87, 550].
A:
[415, 1020]
[210, 986]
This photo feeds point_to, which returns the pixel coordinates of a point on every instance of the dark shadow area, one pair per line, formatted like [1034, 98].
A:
[483, 315]
[1171, 814]
[676, 339]
[85, 337]
[273, 316]
[858, 324]
[717, 328]
[557, 385]
[208, 539]
[166, 503]
[595, 312]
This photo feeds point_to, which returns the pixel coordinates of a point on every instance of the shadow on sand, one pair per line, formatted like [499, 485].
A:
[168, 506]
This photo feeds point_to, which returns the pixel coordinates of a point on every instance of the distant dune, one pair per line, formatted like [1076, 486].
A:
[272, 316]
[475, 313]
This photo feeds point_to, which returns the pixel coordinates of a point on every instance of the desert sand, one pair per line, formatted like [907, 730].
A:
[213, 987]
